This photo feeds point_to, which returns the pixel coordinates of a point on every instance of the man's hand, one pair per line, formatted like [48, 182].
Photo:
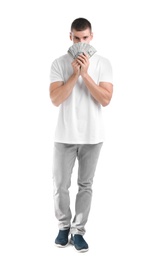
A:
[76, 67]
[83, 61]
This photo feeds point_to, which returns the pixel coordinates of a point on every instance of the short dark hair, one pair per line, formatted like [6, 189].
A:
[81, 24]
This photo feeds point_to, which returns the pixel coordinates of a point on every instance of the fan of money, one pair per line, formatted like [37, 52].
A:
[81, 47]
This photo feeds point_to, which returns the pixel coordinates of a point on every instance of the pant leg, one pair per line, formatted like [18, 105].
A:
[63, 161]
[88, 157]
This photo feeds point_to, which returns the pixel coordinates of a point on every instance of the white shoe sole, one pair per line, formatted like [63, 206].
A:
[61, 246]
[79, 251]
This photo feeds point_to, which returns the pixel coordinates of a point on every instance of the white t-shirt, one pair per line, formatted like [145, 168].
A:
[80, 115]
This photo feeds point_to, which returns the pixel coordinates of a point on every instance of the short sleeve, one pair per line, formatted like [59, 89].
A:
[55, 72]
[106, 74]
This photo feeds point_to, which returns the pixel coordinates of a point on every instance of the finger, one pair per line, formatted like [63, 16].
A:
[80, 61]
[84, 55]
[82, 58]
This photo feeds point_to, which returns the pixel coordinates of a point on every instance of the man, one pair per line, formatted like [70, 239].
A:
[80, 87]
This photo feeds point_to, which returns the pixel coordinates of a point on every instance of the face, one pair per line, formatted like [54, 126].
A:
[81, 36]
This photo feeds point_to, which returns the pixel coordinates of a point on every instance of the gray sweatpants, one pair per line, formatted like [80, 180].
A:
[63, 162]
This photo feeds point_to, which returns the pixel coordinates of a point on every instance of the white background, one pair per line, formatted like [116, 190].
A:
[33, 33]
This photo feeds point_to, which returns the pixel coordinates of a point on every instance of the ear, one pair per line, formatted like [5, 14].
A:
[91, 35]
[71, 36]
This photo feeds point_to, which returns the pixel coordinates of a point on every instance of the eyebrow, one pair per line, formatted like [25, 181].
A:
[82, 37]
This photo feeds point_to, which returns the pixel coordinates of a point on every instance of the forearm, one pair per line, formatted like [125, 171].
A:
[62, 92]
[101, 94]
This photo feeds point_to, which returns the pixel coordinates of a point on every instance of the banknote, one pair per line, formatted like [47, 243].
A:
[81, 47]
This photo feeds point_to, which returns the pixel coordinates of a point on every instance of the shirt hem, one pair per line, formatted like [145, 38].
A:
[79, 142]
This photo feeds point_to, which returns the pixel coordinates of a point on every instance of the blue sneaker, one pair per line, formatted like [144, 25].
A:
[79, 243]
[62, 238]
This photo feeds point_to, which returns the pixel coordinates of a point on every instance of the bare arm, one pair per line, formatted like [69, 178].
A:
[102, 92]
[60, 91]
